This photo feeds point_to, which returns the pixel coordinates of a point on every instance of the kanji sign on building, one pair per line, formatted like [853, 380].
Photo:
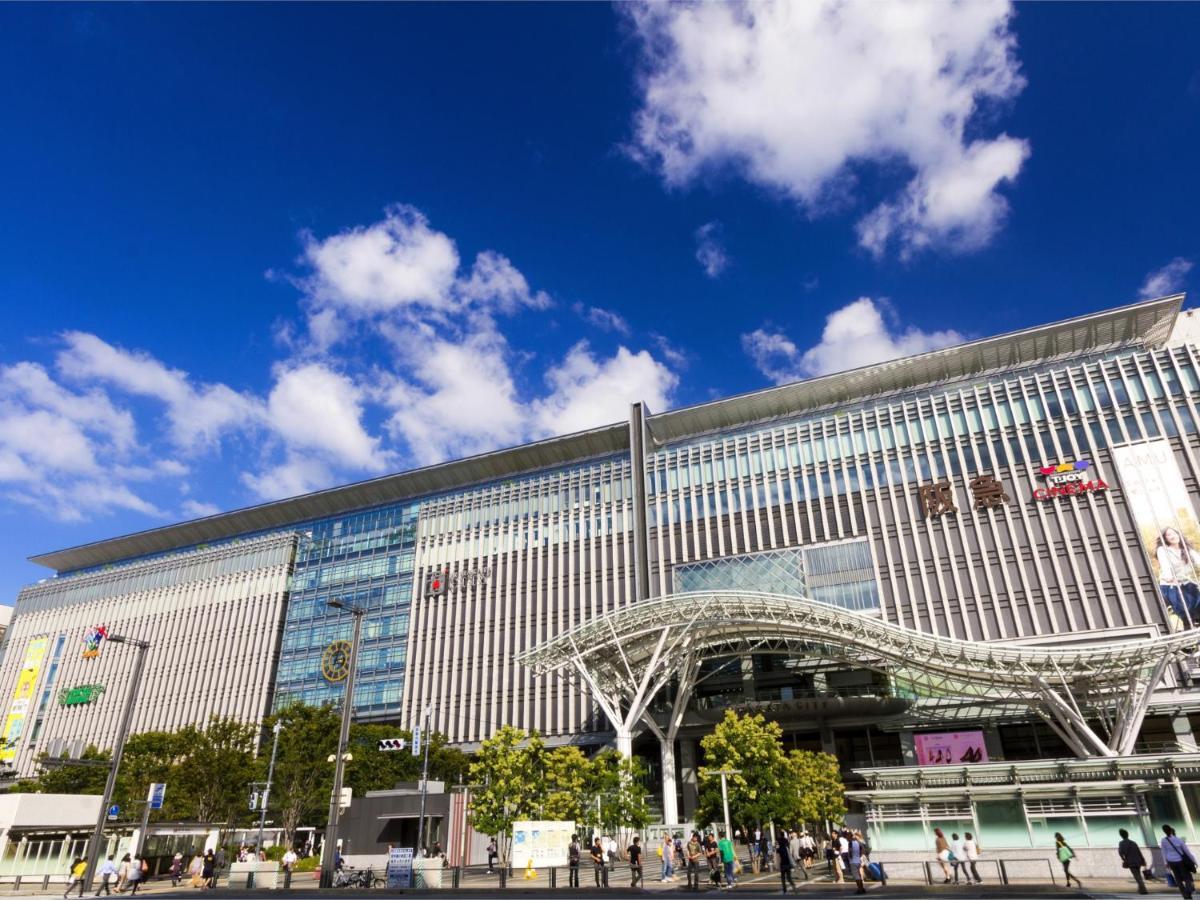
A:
[988, 492]
[936, 499]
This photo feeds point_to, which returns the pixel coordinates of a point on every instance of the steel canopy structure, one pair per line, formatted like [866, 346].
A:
[1093, 695]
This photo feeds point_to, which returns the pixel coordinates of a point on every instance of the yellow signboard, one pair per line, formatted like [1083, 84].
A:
[35, 652]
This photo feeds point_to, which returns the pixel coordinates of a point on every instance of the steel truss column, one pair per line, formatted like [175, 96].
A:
[666, 739]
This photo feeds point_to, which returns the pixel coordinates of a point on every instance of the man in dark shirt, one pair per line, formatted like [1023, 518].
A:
[635, 862]
[694, 853]
[600, 863]
[1132, 859]
[713, 853]
[573, 854]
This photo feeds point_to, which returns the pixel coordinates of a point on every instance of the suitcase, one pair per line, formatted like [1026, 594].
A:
[875, 871]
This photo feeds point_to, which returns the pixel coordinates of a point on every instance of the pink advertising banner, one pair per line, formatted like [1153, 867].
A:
[950, 748]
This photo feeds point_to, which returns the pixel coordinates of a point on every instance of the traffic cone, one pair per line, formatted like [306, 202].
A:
[530, 871]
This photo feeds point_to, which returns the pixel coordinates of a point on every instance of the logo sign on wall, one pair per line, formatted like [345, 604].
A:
[951, 748]
[1067, 479]
[78, 696]
[440, 582]
[92, 640]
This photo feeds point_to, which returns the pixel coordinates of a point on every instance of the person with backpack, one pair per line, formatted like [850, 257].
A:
[1179, 860]
[78, 868]
[1132, 859]
[1065, 854]
[574, 851]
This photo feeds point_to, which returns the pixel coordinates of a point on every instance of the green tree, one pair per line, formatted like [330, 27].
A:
[507, 783]
[822, 795]
[765, 787]
[70, 779]
[216, 772]
[567, 779]
[619, 783]
[303, 776]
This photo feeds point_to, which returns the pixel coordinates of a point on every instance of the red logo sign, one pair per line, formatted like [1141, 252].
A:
[1067, 479]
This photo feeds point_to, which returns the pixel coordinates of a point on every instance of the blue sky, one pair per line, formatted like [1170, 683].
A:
[254, 250]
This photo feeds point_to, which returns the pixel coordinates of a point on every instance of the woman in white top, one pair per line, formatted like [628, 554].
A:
[1177, 576]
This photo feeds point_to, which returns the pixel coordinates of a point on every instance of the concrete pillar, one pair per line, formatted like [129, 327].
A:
[624, 742]
[828, 745]
[748, 677]
[670, 802]
[1181, 799]
[1182, 726]
[908, 748]
[991, 742]
[687, 769]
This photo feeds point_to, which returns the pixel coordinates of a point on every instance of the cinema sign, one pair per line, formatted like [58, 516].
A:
[1067, 479]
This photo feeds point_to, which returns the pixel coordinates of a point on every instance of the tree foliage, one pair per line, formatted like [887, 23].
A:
[765, 787]
[303, 780]
[507, 779]
[822, 798]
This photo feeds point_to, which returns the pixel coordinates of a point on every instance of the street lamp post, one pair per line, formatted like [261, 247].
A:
[118, 749]
[263, 800]
[425, 736]
[724, 773]
[329, 850]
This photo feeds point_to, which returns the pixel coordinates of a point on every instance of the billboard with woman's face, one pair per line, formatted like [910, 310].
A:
[1167, 523]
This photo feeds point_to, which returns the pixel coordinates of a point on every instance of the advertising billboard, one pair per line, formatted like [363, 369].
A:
[545, 843]
[1166, 523]
[18, 708]
[950, 748]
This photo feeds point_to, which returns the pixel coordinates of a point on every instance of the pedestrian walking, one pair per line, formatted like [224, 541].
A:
[694, 853]
[78, 868]
[941, 851]
[196, 870]
[1179, 860]
[1065, 854]
[176, 868]
[210, 869]
[136, 871]
[667, 852]
[108, 871]
[600, 863]
[854, 864]
[764, 850]
[728, 859]
[783, 848]
[491, 852]
[971, 849]
[635, 862]
[574, 851]
[958, 856]
[1132, 859]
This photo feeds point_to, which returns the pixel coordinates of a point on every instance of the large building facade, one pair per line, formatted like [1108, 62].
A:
[1034, 490]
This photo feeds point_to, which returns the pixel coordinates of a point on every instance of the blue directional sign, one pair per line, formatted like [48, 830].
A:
[114, 811]
[155, 798]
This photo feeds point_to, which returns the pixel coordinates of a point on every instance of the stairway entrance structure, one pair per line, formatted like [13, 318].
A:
[1094, 696]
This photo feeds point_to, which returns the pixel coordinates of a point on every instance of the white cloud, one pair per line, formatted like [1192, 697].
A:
[197, 509]
[798, 96]
[710, 252]
[494, 281]
[398, 262]
[855, 335]
[1167, 280]
[311, 407]
[198, 414]
[587, 392]
[604, 319]
[459, 397]
[66, 454]
[294, 476]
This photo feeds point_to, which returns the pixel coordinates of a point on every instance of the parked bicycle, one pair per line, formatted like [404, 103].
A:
[358, 878]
